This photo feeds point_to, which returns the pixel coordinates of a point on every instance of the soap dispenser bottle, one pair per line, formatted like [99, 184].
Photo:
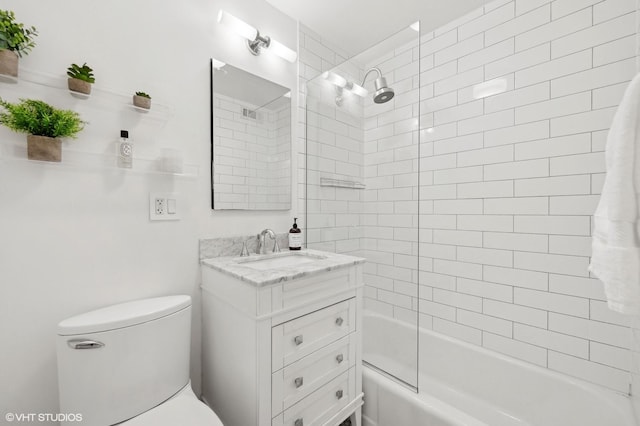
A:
[295, 236]
[124, 150]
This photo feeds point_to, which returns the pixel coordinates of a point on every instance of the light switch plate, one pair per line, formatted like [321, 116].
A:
[164, 206]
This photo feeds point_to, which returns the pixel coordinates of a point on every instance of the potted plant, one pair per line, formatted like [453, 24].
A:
[80, 78]
[45, 126]
[15, 41]
[142, 100]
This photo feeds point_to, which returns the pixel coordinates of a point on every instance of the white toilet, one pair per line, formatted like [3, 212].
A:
[129, 364]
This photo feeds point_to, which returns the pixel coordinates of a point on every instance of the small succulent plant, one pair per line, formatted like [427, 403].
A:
[84, 72]
[14, 36]
[143, 94]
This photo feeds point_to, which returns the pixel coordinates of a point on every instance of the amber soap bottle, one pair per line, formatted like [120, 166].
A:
[295, 236]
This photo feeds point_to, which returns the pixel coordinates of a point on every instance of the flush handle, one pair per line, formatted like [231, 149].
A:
[339, 394]
[298, 381]
[298, 340]
[298, 422]
[339, 321]
[339, 358]
[84, 344]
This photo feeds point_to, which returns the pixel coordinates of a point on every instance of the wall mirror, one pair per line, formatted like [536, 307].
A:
[250, 141]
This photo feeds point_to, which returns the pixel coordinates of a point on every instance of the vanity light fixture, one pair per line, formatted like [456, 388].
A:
[342, 82]
[357, 89]
[335, 79]
[255, 41]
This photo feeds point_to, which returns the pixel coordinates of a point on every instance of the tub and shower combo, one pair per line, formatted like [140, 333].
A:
[460, 384]
[472, 223]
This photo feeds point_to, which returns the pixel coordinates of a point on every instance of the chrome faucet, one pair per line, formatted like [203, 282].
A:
[261, 241]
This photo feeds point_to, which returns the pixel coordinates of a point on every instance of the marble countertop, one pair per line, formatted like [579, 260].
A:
[322, 262]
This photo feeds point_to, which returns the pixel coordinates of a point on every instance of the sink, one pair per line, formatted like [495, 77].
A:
[274, 268]
[277, 261]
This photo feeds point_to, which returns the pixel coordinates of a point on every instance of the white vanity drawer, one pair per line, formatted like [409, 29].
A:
[299, 337]
[294, 382]
[321, 405]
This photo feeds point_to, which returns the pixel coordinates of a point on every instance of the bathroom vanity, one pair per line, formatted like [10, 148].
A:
[282, 338]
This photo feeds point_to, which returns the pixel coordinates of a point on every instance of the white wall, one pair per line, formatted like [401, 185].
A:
[75, 238]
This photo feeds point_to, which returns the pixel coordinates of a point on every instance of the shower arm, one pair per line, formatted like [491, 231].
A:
[369, 72]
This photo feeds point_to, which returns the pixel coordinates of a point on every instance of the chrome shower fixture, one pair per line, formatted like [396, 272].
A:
[383, 92]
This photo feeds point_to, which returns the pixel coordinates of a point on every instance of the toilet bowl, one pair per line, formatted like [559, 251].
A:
[182, 409]
[129, 364]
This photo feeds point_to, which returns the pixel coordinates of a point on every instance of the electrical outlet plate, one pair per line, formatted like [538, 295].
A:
[164, 206]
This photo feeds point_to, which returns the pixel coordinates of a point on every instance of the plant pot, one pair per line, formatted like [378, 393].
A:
[8, 63]
[141, 102]
[44, 148]
[80, 86]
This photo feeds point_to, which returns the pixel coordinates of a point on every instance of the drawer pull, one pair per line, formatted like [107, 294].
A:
[339, 321]
[339, 358]
[298, 422]
[298, 340]
[339, 394]
[298, 381]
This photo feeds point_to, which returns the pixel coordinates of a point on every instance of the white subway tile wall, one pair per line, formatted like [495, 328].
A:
[505, 184]
[516, 195]
[330, 146]
[251, 156]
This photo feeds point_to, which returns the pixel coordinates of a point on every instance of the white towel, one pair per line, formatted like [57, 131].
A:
[615, 258]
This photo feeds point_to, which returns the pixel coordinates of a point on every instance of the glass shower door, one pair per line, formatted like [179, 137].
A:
[362, 185]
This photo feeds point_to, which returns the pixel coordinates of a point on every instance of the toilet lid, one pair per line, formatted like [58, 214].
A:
[183, 410]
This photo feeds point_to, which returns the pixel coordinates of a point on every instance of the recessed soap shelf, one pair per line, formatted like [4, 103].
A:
[340, 183]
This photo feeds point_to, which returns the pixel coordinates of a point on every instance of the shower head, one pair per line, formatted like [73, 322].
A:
[383, 92]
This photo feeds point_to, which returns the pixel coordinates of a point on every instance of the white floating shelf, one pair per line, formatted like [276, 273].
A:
[85, 161]
[99, 94]
[30, 81]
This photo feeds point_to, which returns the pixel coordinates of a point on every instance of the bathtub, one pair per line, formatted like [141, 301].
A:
[465, 385]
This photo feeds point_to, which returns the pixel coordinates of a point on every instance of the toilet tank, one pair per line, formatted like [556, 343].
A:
[120, 361]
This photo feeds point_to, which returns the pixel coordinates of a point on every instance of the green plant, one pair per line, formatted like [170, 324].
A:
[84, 72]
[40, 119]
[14, 36]
[144, 95]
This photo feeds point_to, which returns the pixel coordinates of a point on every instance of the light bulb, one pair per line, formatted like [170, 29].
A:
[237, 25]
[283, 51]
[357, 89]
[334, 78]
